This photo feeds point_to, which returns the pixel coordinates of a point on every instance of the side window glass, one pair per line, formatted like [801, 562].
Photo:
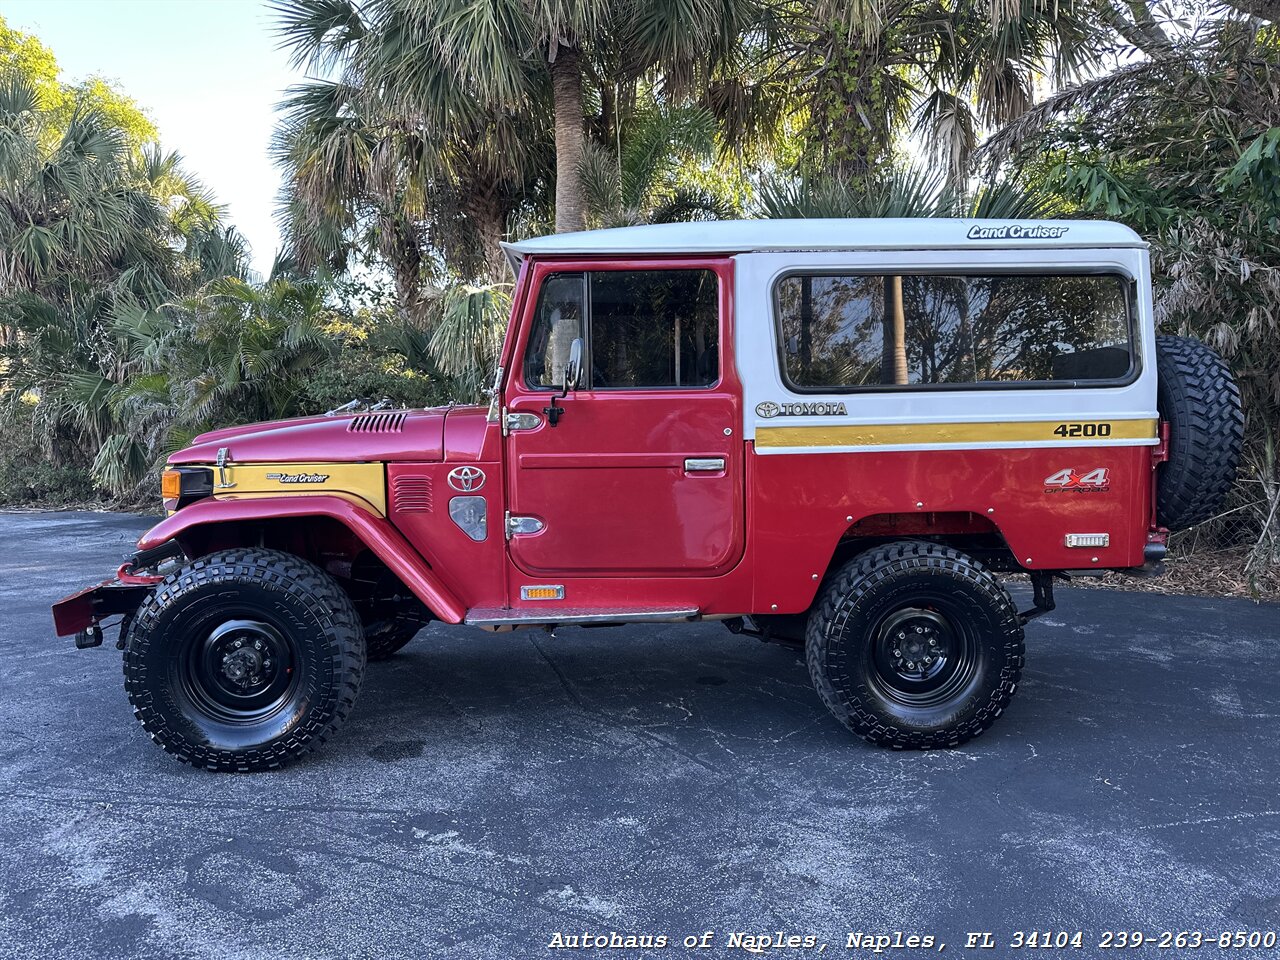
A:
[654, 328]
[557, 324]
[849, 331]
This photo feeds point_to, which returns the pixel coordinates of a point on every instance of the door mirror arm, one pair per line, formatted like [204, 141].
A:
[572, 381]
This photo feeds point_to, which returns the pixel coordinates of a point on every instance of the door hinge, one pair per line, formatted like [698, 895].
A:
[515, 525]
[518, 421]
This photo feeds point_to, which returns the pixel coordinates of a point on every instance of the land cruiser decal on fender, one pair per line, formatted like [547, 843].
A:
[298, 477]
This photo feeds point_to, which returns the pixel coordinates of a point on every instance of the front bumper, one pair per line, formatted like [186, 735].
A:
[80, 613]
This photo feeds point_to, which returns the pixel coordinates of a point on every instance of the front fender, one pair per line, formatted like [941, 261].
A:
[376, 533]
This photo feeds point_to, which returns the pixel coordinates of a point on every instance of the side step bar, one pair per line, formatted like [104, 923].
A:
[525, 617]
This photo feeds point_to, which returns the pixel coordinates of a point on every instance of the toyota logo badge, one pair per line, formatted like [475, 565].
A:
[466, 479]
[768, 409]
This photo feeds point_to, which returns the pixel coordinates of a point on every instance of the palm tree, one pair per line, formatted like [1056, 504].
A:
[855, 75]
[250, 350]
[96, 234]
[417, 168]
[72, 210]
[901, 192]
[513, 54]
[649, 181]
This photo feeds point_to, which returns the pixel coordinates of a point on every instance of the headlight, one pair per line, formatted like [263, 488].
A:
[180, 486]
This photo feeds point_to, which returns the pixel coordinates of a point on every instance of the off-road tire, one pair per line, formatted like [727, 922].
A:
[1200, 400]
[320, 668]
[383, 639]
[846, 657]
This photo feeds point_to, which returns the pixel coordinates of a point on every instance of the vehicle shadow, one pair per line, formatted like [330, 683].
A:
[691, 685]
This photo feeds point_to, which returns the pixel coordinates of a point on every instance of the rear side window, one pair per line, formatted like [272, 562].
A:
[863, 331]
[642, 329]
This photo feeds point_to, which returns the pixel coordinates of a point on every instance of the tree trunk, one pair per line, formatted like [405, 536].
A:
[566, 90]
[1142, 30]
[1262, 9]
[899, 333]
[400, 248]
[490, 219]
[806, 324]
[896, 349]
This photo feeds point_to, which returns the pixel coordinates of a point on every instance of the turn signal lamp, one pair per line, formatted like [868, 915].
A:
[180, 486]
[171, 485]
[542, 591]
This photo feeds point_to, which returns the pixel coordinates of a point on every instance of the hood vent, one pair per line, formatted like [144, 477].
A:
[377, 423]
[411, 494]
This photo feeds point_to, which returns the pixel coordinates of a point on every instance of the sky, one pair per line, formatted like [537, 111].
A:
[208, 74]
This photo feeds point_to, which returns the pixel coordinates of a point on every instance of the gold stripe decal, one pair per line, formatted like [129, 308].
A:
[366, 481]
[1083, 432]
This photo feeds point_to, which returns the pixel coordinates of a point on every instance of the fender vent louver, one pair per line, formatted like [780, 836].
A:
[411, 494]
[377, 423]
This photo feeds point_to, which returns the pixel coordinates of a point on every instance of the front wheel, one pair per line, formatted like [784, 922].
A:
[914, 645]
[244, 660]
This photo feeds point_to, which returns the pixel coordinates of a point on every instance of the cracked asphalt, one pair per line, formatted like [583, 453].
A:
[490, 791]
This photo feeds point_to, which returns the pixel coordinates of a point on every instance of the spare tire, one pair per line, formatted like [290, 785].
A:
[1198, 397]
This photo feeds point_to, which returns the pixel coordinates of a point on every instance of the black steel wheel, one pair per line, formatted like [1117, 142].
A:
[244, 660]
[914, 645]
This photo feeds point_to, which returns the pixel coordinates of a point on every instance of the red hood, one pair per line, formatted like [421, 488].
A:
[389, 435]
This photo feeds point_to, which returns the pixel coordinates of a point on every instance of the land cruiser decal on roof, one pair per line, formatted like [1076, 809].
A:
[1016, 231]
[768, 409]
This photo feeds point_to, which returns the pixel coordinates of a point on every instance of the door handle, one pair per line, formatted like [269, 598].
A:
[704, 465]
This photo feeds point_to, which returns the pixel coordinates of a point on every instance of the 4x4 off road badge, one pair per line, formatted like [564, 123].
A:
[1096, 480]
[466, 479]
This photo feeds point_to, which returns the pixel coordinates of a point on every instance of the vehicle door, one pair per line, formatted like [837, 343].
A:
[637, 469]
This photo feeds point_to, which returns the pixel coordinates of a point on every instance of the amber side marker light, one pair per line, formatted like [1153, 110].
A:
[180, 486]
[542, 591]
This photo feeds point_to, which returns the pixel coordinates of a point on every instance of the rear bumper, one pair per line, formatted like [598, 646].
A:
[82, 611]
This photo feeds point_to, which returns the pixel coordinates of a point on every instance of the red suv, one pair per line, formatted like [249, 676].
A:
[835, 433]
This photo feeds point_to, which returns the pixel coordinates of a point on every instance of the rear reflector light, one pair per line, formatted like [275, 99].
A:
[1088, 539]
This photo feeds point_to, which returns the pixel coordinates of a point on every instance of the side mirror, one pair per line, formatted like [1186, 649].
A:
[572, 381]
[573, 369]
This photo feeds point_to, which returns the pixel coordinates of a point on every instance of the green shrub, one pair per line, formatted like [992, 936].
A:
[358, 373]
[28, 477]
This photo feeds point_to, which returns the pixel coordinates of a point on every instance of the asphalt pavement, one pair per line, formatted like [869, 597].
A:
[493, 792]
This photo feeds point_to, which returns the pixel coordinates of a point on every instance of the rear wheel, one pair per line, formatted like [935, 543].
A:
[244, 660]
[914, 645]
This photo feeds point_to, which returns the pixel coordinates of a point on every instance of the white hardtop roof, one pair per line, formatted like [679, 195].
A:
[749, 236]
